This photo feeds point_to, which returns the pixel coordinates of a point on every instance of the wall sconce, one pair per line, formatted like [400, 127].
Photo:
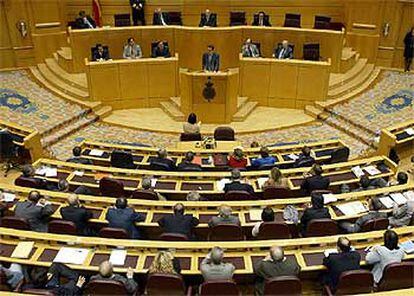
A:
[21, 26]
[386, 29]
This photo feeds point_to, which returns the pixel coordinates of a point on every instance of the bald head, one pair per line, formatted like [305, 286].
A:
[73, 200]
[285, 43]
[105, 269]
[276, 253]
[216, 254]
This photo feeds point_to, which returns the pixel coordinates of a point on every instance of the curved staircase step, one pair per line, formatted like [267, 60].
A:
[76, 80]
[336, 79]
[172, 110]
[244, 111]
[353, 83]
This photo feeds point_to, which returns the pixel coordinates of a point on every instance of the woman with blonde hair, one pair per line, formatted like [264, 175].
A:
[165, 262]
[276, 179]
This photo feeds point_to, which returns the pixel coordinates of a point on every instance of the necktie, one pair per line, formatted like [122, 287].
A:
[250, 51]
[88, 23]
[261, 22]
[162, 20]
[281, 53]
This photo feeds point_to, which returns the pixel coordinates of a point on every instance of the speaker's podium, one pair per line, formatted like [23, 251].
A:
[211, 95]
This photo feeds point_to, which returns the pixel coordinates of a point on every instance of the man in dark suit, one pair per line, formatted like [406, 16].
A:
[160, 18]
[100, 54]
[77, 214]
[305, 159]
[284, 51]
[208, 19]
[275, 264]
[161, 50]
[211, 60]
[236, 185]
[84, 21]
[346, 259]
[36, 210]
[77, 158]
[178, 222]
[188, 165]
[261, 20]
[162, 161]
[138, 16]
[314, 180]
[316, 211]
[121, 216]
[28, 175]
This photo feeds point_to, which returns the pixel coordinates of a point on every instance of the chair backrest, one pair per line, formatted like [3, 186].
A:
[238, 195]
[340, 155]
[237, 18]
[397, 276]
[33, 291]
[122, 159]
[322, 22]
[159, 166]
[165, 284]
[15, 223]
[111, 187]
[355, 282]
[62, 227]
[188, 137]
[292, 20]
[274, 230]
[122, 20]
[3, 282]
[174, 18]
[173, 237]
[311, 52]
[322, 227]
[283, 285]
[105, 287]
[224, 133]
[144, 194]
[214, 288]
[27, 182]
[375, 224]
[110, 232]
[272, 192]
[226, 232]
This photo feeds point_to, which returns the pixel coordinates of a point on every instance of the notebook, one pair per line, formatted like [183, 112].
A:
[23, 250]
[71, 255]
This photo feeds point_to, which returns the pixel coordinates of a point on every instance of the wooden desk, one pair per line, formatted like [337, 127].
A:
[191, 42]
[396, 137]
[228, 146]
[284, 83]
[133, 83]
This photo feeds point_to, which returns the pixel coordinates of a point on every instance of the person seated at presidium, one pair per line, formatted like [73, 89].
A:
[162, 159]
[236, 185]
[316, 211]
[265, 158]
[106, 273]
[249, 49]
[191, 126]
[237, 159]
[313, 180]
[208, 19]
[160, 18]
[77, 157]
[161, 51]
[214, 269]
[132, 50]
[100, 54]
[187, 163]
[224, 217]
[284, 51]
[178, 222]
[211, 60]
[84, 21]
[261, 20]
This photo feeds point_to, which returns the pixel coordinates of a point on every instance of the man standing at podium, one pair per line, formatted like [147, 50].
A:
[138, 16]
[211, 60]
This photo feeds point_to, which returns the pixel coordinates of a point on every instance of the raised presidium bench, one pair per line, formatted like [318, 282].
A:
[100, 153]
[176, 185]
[26, 138]
[399, 137]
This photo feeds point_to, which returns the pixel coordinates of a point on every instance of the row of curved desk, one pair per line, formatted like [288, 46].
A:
[399, 136]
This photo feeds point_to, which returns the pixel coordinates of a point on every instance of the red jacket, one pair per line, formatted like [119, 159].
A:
[234, 163]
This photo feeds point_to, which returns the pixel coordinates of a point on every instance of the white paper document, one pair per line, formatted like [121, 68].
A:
[221, 183]
[71, 255]
[358, 172]
[387, 202]
[329, 198]
[8, 197]
[409, 131]
[407, 246]
[293, 156]
[399, 198]
[41, 171]
[255, 214]
[118, 257]
[371, 170]
[96, 152]
[261, 181]
[23, 250]
[153, 182]
[409, 195]
[330, 251]
[78, 173]
[51, 172]
[352, 208]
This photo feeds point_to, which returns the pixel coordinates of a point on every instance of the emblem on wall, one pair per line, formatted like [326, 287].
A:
[209, 91]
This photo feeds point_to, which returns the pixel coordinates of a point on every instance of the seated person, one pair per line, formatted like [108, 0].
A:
[36, 210]
[162, 158]
[314, 180]
[366, 184]
[346, 259]
[132, 50]
[402, 178]
[188, 165]
[193, 196]
[208, 19]
[77, 158]
[236, 185]
[161, 51]
[401, 215]
[224, 217]
[77, 214]
[123, 217]
[261, 20]
[100, 54]
[147, 186]
[106, 273]
[84, 21]
[12, 275]
[211, 60]
[268, 215]
[305, 158]
[265, 158]
[213, 267]
[192, 126]
[178, 222]
[374, 213]
[254, 144]
[237, 159]
[275, 264]
[28, 173]
[249, 49]
[160, 18]
[63, 186]
[276, 179]
[381, 256]
[316, 211]
[284, 51]
[165, 263]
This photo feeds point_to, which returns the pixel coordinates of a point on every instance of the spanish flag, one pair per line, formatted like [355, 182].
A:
[96, 12]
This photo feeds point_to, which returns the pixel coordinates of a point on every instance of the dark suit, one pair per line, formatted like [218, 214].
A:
[98, 56]
[310, 214]
[80, 160]
[338, 263]
[81, 24]
[314, 183]
[138, 11]
[125, 219]
[210, 22]
[36, 216]
[265, 22]
[182, 224]
[286, 54]
[156, 19]
[39, 182]
[304, 161]
[238, 186]
[157, 52]
[77, 215]
[189, 167]
[211, 62]
[166, 162]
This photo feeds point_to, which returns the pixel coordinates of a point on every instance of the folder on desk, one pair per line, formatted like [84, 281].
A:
[399, 198]
[96, 152]
[329, 198]
[352, 208]
[118, 257]
[358, 172]
[409, 131]
[8, 197]
[71, 255]
[23, 250]
[255, 214]
[387, 202]
[372, 170]
[407, 246]
[261, 181]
